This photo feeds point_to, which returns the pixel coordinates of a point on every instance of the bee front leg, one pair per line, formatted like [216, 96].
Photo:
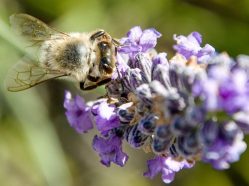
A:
[82, 85]
[87, 87]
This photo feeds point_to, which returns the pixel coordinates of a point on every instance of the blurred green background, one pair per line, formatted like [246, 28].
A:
[37, 146]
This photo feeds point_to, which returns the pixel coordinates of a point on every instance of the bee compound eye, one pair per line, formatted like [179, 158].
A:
[103, 46]
[105, 61]
[106, 64]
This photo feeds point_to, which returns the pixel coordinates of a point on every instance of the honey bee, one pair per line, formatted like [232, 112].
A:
[87, 58]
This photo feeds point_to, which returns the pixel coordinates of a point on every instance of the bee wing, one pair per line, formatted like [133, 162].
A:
[25, 75]
[31, 28]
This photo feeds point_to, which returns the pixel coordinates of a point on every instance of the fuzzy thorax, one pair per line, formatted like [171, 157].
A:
[71, 54]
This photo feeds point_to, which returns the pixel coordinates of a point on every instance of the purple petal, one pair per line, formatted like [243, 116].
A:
[122, 66]
[138, 41]
[148, 39]
[210, 93]
[67, 101]
[207, 50]
[95, 106]
[156, 33]
[227, 147]
[242, 120]
[161, 73]
[154, 167]
[80, 102]
[187, 46]
[168, 175]
[134, 78]
[135, 33]
[160, 58]
[197, 37]
[219, 72]
[129, 47]
[190, 46]
[106, 118]
[110, 150]
[121, 158]
[144, 63]
[167, 166]
[77, 113]
[176, 166]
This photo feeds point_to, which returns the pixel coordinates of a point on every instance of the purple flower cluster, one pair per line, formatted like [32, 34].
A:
[193, 107]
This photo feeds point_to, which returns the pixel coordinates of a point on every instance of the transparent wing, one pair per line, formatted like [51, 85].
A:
[25, 75]
[31, 28]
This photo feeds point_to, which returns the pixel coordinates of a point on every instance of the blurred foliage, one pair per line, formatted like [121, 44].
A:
[37, 146]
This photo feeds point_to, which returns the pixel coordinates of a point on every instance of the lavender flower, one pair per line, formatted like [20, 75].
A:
[78, 113]
[190, 46]
[192, 107]
[167, 166]
[110, 150]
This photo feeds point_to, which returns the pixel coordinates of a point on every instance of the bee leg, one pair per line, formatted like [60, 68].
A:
[82, 87]
[104, 81]
[97, 34]
[90, 87]
[93, 78]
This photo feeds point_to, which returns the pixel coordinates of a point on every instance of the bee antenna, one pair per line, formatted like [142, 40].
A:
[116, 42]
[97, 34]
